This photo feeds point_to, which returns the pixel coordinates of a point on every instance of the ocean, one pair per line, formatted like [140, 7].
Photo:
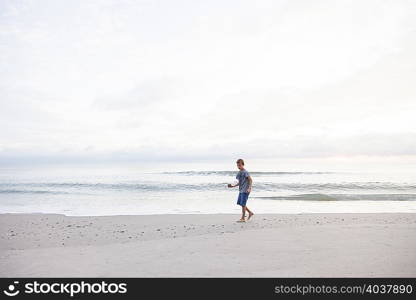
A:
[129, 190]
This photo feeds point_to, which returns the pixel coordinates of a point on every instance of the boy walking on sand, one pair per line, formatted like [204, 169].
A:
[244, 184]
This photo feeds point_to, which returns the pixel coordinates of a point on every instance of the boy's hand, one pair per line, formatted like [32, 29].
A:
[230, 185]
[249, 190]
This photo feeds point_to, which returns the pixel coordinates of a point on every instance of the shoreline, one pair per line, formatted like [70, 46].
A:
[205, 245]
[200, 213]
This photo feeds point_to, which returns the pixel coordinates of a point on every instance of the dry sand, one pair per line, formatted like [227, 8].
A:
[303, 245]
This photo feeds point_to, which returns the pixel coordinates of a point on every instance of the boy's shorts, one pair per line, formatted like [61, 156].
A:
[242, 199]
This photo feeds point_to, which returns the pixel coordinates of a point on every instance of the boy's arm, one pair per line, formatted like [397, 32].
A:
[250, 183]
[231, 185]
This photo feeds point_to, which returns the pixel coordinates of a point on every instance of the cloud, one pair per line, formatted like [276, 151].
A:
[147, 80]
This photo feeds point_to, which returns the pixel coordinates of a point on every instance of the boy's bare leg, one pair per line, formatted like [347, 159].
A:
[243, 213]
[250, 213]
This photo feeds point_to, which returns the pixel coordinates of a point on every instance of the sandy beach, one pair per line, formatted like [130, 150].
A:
[292, 245]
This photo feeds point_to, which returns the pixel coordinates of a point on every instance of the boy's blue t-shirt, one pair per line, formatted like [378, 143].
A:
[242, 177]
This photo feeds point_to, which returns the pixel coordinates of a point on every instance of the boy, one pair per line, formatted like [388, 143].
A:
[244, 184]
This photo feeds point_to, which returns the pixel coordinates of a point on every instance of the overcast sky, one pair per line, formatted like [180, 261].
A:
[194, 80]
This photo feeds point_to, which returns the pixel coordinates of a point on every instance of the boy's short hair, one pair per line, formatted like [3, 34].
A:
[240, 161]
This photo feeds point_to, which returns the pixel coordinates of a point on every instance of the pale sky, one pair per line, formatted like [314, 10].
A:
[190, 80]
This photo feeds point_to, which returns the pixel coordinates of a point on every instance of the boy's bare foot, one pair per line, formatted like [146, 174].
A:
[249, 216]
[241, 220]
